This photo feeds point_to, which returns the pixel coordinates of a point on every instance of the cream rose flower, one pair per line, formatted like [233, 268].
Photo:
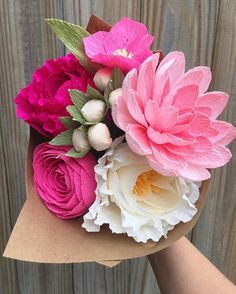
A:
[132, 198]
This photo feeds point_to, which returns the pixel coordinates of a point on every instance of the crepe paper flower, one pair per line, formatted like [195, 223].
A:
[44, 100]
[169, 118]
[126, 45]
[133, 198]
[65, 185]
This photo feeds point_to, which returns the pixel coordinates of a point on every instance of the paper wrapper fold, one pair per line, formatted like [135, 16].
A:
[40, 236]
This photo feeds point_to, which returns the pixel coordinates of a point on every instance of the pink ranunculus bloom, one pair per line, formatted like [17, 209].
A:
[45, 99]
[66, 185]
[170, 118]
[126, 45]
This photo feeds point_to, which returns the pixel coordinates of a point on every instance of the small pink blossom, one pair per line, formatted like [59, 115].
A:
[125, 46]
[66, 185]
[168, 117]
[45, 99]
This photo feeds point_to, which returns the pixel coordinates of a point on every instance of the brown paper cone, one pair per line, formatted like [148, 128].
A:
[40, 236]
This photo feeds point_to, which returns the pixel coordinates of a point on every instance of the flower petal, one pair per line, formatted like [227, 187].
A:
[160, 118]
[216, 101]
[168, 73]
[137, 139]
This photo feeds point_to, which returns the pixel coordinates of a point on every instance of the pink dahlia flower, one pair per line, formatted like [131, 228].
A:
[126, 45]
[170, 118]
[45, 99]
[66, 185]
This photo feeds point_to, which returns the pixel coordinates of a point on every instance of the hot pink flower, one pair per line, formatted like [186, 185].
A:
[45, 99]
[66, 185]
[125, 46]
[168, 117]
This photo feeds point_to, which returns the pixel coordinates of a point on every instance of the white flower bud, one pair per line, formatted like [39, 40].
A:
[80, 140]
[93, 111]
[102, 78]
[99, 137]
[114, 96]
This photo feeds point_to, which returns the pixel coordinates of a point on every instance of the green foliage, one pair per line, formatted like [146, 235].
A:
[68, 122]
[73, 153]
[76, 114]
[64, 138]
[72, 36]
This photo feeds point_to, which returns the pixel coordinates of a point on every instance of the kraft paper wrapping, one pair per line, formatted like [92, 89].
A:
[39, 236]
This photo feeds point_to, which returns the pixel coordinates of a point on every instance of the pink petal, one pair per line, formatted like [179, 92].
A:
[167, 159]
[139, 47]
[98, 43]
[135, 109]
[127, 30]
[160, 118]
[168, 73]
[185, 97]
[199, 124]
[217, 157]
[158, 167]
[216, 101]
[145, 78]
[226, 132]
[137, 139]
[182, 123]
[130, 82]
[199, 76]
[121, 115]
[194, 173]
[111, 61]
[164, 138]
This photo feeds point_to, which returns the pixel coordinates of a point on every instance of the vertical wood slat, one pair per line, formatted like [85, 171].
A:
[205, 31]
[215, 233]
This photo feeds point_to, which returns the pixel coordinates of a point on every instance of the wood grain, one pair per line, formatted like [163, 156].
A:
[206, 31]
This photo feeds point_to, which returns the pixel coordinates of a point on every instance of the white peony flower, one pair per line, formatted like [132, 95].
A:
[132, 198]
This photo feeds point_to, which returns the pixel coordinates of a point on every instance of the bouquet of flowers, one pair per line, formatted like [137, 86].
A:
[122, 140]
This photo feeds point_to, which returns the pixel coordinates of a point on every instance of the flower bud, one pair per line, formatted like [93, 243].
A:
[99, 137]
[114, 96]
[80, 140]
[93, 110]
[102, 78]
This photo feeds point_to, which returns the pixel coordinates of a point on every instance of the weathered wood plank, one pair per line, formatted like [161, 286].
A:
[215, 233]
[26, 42]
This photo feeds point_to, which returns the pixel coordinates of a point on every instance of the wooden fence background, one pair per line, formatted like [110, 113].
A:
[205, 30]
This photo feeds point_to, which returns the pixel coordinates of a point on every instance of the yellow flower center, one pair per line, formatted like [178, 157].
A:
[145, 183]
[122, 52]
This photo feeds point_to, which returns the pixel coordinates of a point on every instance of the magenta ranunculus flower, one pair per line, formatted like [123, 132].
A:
[168, 117]
[126, 45]
[45, 99]
[66, 185]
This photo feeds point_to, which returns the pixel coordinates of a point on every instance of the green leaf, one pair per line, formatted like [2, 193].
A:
[73, 153]
[64, 138]
[83, 129]
[117, 78]
[76, 114]
[94, 94]
[108, 90]
[68, 122]
[78, 98]
[72, 36]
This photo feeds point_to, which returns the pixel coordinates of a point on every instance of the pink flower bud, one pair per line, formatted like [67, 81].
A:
[102, 78]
